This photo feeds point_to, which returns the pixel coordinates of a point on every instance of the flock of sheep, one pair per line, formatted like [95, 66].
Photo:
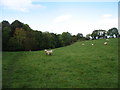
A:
[105, 43]
[50, 52]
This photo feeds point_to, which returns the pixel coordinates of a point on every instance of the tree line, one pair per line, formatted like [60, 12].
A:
[18, 36]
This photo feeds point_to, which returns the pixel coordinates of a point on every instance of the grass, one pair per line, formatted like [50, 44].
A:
[74, 66]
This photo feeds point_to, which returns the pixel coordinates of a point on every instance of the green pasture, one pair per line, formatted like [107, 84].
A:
[74, 66]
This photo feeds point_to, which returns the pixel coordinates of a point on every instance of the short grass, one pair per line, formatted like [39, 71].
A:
[74, 66]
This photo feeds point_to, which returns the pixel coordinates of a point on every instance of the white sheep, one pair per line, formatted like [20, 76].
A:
[107, 39]
[83, 44]
[92, 44]
[48, 52]
[105, 43]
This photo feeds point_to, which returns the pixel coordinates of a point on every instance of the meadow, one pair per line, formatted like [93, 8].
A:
[73, 66]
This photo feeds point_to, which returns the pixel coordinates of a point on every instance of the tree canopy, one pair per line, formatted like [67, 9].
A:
[113, 31]
[18, 36]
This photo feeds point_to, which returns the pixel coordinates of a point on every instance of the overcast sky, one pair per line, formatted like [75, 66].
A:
[57, 17]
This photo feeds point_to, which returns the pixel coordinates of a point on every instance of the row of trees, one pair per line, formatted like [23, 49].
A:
[111, 33]
[18, 36]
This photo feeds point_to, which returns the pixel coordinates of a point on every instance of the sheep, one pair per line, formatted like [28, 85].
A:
[107, 39]
[105, 43]
[48, 52]
[92, 44]
[83, 44]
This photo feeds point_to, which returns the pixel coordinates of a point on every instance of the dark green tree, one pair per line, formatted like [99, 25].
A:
[74, 38]
[30, 42]
[26, 27]
[20, 35]
[79, 36]
[48, 40]
[88, 36]
[96, 34]
[113, 31]
[101, 33]
[5, 24]
[39, 38]
[65, 38]
[13, 44]
[6, 34]
[16, 24]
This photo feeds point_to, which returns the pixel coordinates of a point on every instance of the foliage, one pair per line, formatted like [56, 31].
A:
[79, 36]
[26, 27]
[18, 36]
[5, 24]
[6, 33]
[113, 31]
[88, 36]
[65, 38]
[97, 34]
[74, 38]
[16, 24]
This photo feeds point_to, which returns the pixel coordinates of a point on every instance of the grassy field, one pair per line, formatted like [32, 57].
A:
[74, 66]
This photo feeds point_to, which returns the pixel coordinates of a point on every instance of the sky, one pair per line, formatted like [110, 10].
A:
[78, 16]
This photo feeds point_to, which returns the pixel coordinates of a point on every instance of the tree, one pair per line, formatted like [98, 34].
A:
[6, 34]
[94, 34]
[5, 24]
[97, 34]
[20, 35]
[88, 36]
[113, 32]
[74, 38]
[54, 40]
[65, 38]
[13, 44]
[79, 36]
[38, 37]
[16, 24]
[101, 33]
[26, 27]
[48, 40]
[57, 40]
[30, 42]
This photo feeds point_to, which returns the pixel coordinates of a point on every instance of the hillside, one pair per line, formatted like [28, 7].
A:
[74, 66]
[18, 36]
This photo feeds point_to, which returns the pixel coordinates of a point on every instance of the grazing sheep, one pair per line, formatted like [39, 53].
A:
[105, 43]
[83, 44]
[92, 44]
[107, 39]
[48, 52]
